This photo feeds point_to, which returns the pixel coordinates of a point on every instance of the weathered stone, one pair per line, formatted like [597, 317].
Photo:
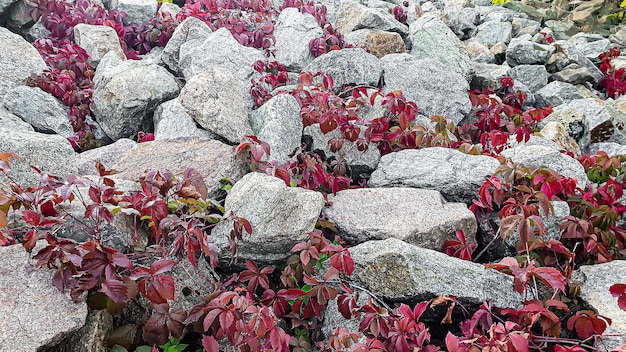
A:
[436, 89]
[108, 155]
[40, 109]
[10, 121]
[35, 314]
[492, 32]
[352, 16]
[559, 134]
[596, 117]
[172, 122]
[567, 54]
[18, 60]
[220, 49]
[191, 29]
[488, 75]
[456, 175]
[97, 41]
[395, 270]
[574, 122]
[521, 52]
[573, 74]
[432, 39]
[278, 122]
[540, 156]
[479, 52]
[280, 216]
[348, 66]
[417, 216]
[213, 98]
[594, 282]
[127, 93]
[212, 159]
[138, 11]
[556, 93]
[5, 4]
[293, 32]
[378, 43]
[92, 337]
[50, 153]
[534, 77]
[610, 148]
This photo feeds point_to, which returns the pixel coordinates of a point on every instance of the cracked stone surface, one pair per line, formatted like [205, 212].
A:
[280, 216]
[456, 175]
[34, 313]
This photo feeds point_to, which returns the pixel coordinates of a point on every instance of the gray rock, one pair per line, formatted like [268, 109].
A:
[221, 49]
[435, 88]
[521, 52]
[353, 157]
[138, 11]
[213, 98]
[432, 39]
[352, 16]
[540, 156]
[18, 16]
[456, 175]
[92, 336]
[348, 66]
[191, 29]
[488, 75]
[108, 61]
[492, 32]
[293, 32]
[595, 281]
[212, 159]
[377, 43]
[567, 54]
[592, 49]
[50, 153]
[27, 326]
[417, 216]
[462, 20]
[172, 122]
[479, 52]
[10, 121]
[168, 8]
[574, 122]
[395, 270]
[40, 109]
[108, 155]
[523, 26]
[18, 60]
[610, 148]
[97, 41]
[127, 93]
[556, 93]
[534, 77]
[278, 122]
[574, 74]
[280, 216]
[5, 4]
[597, 118]
[37, 31]
[559, 135]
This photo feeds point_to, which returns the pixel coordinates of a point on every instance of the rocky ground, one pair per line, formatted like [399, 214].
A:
[194, 94]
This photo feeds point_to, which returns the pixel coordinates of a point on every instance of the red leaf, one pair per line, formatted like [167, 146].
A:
[161, 266]
[30, 240]
[619, 290]
[31, 217]
[116, 290]
[210, 344]
[552, 277]
[164, 285]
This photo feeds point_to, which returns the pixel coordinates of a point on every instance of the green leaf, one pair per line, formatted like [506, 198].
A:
[118, 348]
[143, 349]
